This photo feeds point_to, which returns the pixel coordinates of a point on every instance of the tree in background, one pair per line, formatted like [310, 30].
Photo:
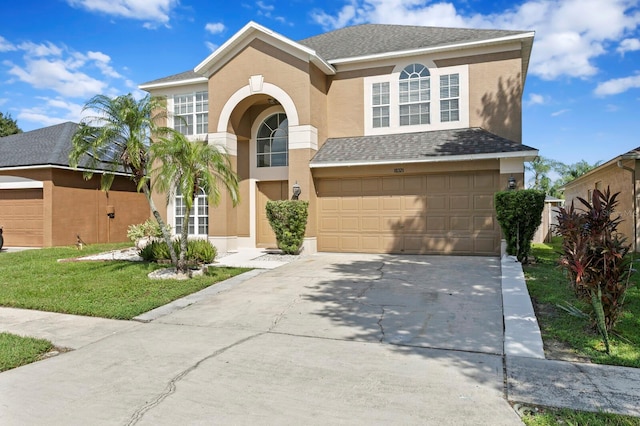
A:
[188, 167]
[8, 126]
[541, 167]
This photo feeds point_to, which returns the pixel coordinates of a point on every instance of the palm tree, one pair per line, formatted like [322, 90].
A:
[540, 167]
[117, 138]
[189, 167]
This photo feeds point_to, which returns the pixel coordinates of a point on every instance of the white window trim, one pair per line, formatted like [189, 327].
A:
[394, 108]
[171, 207]
[171, 119]
[266, 173]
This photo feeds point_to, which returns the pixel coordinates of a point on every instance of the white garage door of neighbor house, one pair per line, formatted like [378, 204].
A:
[424, 214]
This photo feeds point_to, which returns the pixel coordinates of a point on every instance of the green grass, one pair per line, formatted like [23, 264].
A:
[548, 285]
[16, 350]
[34, 279]
[550, 417]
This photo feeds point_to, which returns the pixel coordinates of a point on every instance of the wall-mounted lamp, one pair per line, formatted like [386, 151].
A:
[296, 191]
[511, 183]
[111, 212]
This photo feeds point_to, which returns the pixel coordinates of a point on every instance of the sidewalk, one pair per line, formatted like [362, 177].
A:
[532, 379]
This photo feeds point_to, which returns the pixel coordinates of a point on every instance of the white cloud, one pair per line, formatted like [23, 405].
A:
[617, 85]
[52, 111]
[5, 46]
[560, 112]
[535, 99]
[628, 45]
[33, 49]
[570, 34]
[58, 76]
[211, 46]
[65, 71]
[215, 27]
[156, 11]
[265, 7]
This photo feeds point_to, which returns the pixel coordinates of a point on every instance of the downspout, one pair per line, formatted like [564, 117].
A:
[635, 202]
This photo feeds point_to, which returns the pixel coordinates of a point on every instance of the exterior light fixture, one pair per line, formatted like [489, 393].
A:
[512, 183]
[296, 191]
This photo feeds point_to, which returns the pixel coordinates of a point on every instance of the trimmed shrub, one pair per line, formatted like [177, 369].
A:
[288, 219]
[595, 255]
[198, 251]
[519, 214]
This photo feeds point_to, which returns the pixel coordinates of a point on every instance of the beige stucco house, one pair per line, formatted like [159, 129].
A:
[398, 136]
[620, 174]
[44, 202]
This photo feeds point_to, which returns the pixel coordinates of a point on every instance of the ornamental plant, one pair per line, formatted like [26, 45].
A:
[594, 254]
[288, 219]
[519, 214]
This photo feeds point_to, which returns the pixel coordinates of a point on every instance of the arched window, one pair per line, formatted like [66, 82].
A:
[415, 94]
[199, 218]
[273, 141]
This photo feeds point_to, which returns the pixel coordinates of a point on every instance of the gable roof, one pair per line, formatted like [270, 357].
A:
[353, 44]
[422, 147]
[633, 154]
[373, 39]
[46, 146]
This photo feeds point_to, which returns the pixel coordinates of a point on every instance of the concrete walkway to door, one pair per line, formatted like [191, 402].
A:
[356, 339]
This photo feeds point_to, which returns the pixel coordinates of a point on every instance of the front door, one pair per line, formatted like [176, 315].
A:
[268, 190]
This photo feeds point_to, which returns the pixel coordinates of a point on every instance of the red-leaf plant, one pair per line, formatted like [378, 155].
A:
[594, 254]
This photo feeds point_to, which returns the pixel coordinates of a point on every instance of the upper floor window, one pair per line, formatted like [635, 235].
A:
[414, 95]
[191, 110]
[199, 217]
[450, 97]
[273, 141]
[380, 103]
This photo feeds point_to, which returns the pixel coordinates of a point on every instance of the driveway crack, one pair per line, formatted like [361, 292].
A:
[171, 386]
[380, 324]
[281, 315]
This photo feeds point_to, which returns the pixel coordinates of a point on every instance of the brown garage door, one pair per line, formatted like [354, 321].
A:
[443, 214]
[21, 216]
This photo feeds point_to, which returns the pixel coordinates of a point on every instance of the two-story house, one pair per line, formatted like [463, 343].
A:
[398, 136]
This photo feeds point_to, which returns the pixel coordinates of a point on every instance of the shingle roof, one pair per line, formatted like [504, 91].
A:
[47, 146]
[412, 147]
[185, 75]
[370, 39]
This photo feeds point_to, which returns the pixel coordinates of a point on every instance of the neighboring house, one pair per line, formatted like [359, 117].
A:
[549, 219]
[620, 174]
[398, 136]
[44, 202]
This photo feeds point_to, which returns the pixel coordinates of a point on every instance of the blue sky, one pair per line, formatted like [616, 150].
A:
[581, 100]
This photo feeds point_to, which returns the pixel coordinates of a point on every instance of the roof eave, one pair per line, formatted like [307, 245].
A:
[436, 49]
[176, 83]
[525, 155]
[208, 66]
[57, 166]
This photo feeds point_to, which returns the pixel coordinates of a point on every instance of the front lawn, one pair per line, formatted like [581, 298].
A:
[16, 350]
[556, 416]
[34, 279]
[549, 288]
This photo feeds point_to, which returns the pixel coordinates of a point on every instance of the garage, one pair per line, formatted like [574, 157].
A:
[21, 217]
[448, 213]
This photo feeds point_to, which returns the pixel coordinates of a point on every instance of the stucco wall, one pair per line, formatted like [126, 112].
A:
[72, 206]
[618, 180]
[495, 97]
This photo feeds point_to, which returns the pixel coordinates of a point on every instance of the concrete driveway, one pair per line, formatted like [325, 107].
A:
[352, 339]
